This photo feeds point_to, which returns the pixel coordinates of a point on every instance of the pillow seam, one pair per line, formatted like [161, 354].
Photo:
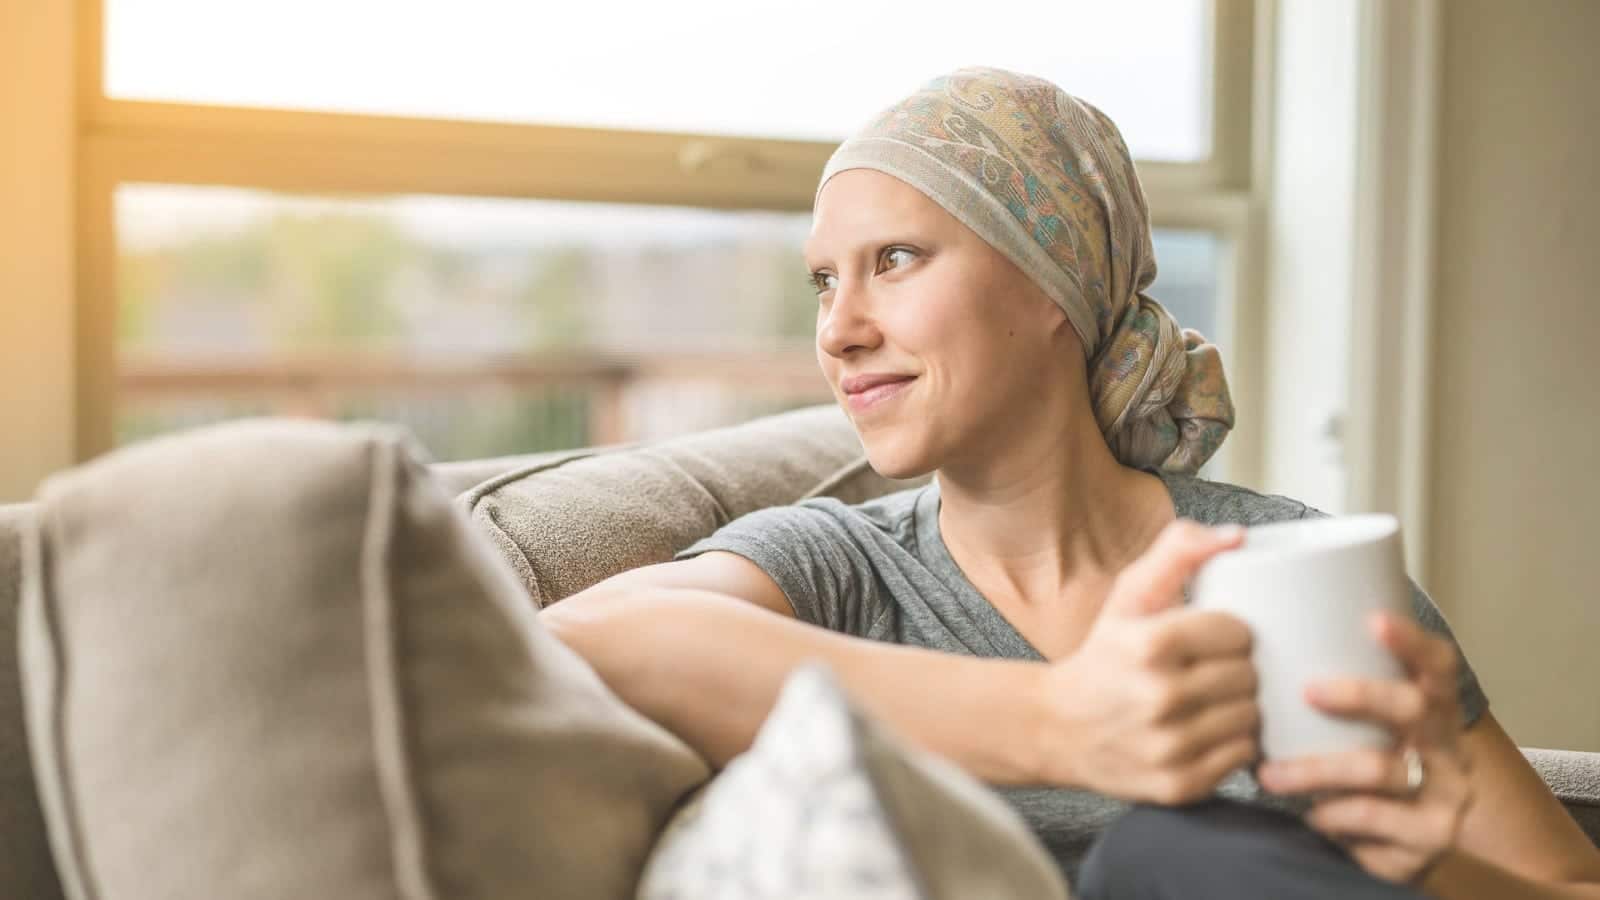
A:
[63, 791]
[870, 750]
[502, 535]
[472, 496]
[396, 787]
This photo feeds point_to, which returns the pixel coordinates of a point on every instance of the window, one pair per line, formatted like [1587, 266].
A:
[810, 70]
[509, 243]
[566, 323]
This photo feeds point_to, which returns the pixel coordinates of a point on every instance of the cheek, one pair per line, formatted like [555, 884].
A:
[969, 332]
[829, 366]
[935, 320]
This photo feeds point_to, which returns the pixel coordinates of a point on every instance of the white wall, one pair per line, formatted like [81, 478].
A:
[1514, 482]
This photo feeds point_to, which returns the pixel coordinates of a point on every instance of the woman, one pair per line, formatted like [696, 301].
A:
[980, 253]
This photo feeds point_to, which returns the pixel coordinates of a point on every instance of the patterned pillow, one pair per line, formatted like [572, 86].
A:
[827, 806]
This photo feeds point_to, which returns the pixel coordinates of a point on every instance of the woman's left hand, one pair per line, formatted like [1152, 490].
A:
[1364, 799]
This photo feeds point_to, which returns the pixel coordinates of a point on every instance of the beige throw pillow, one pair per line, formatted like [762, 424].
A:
[25, 866]
[272, 659]
[568, 524]
[828, 806]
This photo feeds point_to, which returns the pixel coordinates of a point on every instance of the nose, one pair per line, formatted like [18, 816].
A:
[847, 323]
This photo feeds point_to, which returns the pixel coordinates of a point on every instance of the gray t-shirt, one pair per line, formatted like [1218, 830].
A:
[880, 570]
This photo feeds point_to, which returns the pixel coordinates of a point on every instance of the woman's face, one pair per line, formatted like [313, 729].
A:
[940, 350]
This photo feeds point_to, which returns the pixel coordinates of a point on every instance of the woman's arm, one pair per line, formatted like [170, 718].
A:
[1158, 704]
[1483, 824]
[708, 665]
[1516, 840]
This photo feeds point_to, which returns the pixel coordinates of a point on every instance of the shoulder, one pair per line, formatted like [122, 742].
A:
[889, 513]
[1220, 503]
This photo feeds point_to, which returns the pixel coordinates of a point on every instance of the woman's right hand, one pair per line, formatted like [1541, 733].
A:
[1159, 702]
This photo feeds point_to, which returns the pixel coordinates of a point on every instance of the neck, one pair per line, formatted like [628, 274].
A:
[1051, 519]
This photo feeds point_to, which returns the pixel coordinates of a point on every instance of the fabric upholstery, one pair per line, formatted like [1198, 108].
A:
[1574, 777]
[272, 659]
[463, 475]
[828, 806]
[26, 869]
[569, 523]
[25, 866]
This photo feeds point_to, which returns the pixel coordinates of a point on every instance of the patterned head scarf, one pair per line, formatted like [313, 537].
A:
[1046, 179]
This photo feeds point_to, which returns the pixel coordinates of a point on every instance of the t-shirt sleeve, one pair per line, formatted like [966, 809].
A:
[1472, 698]
[810, 553]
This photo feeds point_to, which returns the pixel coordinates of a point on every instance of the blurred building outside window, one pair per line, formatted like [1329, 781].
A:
[504, 310]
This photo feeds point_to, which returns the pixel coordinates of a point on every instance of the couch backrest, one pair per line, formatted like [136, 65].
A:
[567, 524]
[568, 519]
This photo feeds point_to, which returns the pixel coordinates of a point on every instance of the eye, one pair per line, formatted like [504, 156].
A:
[895, 257]
[822, 282]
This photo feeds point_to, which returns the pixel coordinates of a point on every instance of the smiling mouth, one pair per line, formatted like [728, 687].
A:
[877, 395]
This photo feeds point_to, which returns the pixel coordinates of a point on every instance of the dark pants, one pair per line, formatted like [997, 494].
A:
[1221, 849]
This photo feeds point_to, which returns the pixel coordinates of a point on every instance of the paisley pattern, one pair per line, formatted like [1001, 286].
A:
[828, 805]
[1047, 179]
[796, 818]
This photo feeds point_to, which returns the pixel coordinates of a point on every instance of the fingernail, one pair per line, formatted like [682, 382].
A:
[1230, 532]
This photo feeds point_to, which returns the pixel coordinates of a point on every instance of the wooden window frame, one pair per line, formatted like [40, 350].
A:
[131, 141]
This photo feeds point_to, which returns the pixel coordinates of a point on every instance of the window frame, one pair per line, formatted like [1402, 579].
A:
[122, 141]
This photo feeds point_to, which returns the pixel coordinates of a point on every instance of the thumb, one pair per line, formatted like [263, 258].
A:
[1154, 582]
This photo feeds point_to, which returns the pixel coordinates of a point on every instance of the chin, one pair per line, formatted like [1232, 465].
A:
[893, 453]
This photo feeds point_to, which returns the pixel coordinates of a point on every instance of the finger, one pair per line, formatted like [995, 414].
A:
[1155, 580]
[1421, 652]
[1386, 860]
[1211, 727]
[1218, 762]
[1200, 778]
[1433, 663]
[1364, 817]
[1367, 770]
[1399, 706]
[1186, 636]
[1211, 682]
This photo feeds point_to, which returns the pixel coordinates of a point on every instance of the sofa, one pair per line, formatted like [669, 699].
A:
[545, 525]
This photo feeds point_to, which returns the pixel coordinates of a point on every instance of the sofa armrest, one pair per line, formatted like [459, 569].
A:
[1574, 777]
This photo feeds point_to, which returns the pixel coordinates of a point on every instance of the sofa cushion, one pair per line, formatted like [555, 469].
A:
[827, 806]
[567, 524]
[25, 867]
[272, 659]
[462, 475]
[1574, 777]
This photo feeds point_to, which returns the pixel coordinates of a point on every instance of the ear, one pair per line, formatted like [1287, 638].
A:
[1050, 317]
[1062, 332]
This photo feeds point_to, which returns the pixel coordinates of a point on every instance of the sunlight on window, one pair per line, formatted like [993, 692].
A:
[486, 326]
[812, 69]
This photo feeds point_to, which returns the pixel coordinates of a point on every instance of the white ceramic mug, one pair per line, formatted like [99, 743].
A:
[1307, 589]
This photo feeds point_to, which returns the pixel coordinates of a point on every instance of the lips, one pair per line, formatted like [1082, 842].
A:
[857, 384]
[864, 393]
